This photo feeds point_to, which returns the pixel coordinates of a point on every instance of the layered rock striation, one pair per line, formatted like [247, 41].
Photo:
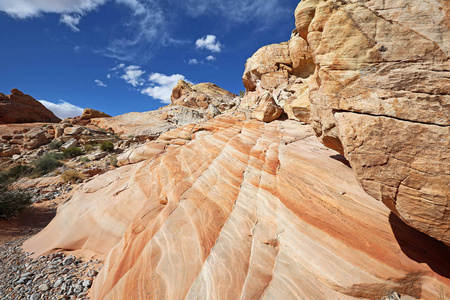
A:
[21, 108]
[242, 209]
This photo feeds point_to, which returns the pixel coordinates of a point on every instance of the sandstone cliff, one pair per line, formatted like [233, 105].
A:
[380, 95]
[21, 108]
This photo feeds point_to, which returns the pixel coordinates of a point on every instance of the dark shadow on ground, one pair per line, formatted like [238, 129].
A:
[342, 159]
[420, 247]
[31, 220]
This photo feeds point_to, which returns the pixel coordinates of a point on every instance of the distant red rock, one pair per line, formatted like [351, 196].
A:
[21, 108]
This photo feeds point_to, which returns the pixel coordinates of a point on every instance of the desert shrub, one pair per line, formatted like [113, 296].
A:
[71, 176]
[88, 148]
[13, 201]
[72, 152]
[84, 159]
[55, 155]
[45, 164]
[112, 161]
[55, 144]
[107, 146]
[14, 173]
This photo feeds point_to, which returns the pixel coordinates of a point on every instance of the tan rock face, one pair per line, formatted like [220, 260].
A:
[283, 70]
[21, 108]
[202, 96]
[263, 211]
[380, 95]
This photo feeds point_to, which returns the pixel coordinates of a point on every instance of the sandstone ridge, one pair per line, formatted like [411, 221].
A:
[21, 108]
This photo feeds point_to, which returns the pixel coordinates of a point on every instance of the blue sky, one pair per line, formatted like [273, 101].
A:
[120, 56]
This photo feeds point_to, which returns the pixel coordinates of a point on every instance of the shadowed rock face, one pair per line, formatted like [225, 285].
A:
[242, 209]
[380, 96]
[21, 108]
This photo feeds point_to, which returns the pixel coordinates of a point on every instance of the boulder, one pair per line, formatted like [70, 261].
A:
[21, 108]
[283, 70]
[266, 108]
[35, 138]
[73, 131]
[380, 96]
[90, 113]
[72, 143]
[8, 150]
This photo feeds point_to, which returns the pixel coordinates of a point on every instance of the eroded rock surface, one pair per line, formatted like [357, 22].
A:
[243, 209]
[206, 96]
[21, 108]
[380, 96]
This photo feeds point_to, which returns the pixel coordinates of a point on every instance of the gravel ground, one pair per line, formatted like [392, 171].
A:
[54, 276]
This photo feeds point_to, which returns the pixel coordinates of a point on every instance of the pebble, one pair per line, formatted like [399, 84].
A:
[35, 297]
[46, 277]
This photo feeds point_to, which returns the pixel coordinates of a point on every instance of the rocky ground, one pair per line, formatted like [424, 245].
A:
[54, 276]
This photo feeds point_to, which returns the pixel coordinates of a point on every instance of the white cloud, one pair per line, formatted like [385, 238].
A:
[193, 61]
[30, 8]
[100, 83]
[63, 109]
[132, 74]
[161, 86]
[210, 58]
[209, 42]
[108, 76]
[145, 31]
[71, 21]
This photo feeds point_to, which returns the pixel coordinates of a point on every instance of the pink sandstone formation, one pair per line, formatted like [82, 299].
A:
[254, 215]
[236, 208]
[21, 108]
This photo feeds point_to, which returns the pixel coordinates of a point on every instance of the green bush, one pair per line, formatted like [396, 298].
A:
[45, 164]
[107, 146]
[72, 152]
[13, 201]
[84, 159]
[55, 155]
[88, 148]
[14, 173]
[55, 144]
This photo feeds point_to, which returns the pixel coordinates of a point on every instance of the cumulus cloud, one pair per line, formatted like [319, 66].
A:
[131, 74]
[63, 109]
[71, 20]
[210, 58]
[30, 8]
[209, 42]
[161, 86]
[100, 83]
[193, 61]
